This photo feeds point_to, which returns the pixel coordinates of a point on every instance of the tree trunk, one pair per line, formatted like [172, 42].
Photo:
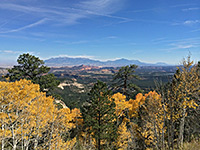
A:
[99, 134]
[35, 143]
[181, 130]
[125, 86]
[26, 144]
[2, 141]
[163, 132]
[13, 138]
[171, 127]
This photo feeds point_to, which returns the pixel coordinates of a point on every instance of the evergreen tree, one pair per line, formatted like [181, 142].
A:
[99, 116]
[123, 81]
[32, 68]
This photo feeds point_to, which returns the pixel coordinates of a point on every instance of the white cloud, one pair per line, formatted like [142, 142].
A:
[70, 56]
[111, 59]
[158, 10]
[83, 56]
[111, 37]
[185, 46]
[191, 22]
[100, 6]
[191, 9]
[186, 43]
[182, 5]
[10, 52]
[187, 22]
[73, 42]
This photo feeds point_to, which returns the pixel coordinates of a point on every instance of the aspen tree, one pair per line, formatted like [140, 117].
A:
[30, 120]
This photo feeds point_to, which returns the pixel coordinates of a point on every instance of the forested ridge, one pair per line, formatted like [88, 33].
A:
[120, 116]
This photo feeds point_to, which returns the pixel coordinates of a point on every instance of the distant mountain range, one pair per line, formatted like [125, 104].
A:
[68, 61]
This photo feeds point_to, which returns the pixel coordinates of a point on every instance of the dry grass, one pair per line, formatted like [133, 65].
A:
[194, 145]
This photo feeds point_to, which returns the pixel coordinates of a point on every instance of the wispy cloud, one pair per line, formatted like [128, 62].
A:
[187, 22]
[111, 37]
[153, 21]
[191, 22]
[26, 27]
[181, 44]
[73, 42]
[158, 40]
[16, 53]
[103, 8]
[147, 10]
[183, 5]
[70, 56]
[197, 30]
[9, 52]
[100, 6]
[66, 15]
[178, 47]
[191, 9]
[184, 46]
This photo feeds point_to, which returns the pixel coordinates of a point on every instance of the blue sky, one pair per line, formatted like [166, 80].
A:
[147, 30]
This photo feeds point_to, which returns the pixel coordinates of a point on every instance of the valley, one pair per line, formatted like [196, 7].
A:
[77, 81]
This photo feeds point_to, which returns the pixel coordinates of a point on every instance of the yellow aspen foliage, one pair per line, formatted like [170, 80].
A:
[148, 111]
[124, 137]
[133, 111]
[30, 120]
[121, 104]
[145, 116]
[154, 120]
[183, 97]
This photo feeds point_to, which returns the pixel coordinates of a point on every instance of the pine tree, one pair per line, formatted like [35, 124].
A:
[123, 81]
[32, 68]
[99, 116]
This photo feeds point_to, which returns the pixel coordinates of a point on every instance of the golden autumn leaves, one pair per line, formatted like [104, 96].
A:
[30, 120]
[150, 103]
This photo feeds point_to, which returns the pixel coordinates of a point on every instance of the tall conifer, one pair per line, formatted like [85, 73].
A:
[99, 116]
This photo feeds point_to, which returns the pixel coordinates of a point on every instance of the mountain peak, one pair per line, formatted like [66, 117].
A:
[84, 62]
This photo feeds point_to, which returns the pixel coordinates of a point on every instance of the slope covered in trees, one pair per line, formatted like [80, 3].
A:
[167, 118]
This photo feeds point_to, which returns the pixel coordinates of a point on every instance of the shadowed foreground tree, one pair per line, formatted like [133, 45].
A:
[32, 68]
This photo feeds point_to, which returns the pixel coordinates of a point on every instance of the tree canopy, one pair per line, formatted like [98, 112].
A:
[123, 81]
[32, 68]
